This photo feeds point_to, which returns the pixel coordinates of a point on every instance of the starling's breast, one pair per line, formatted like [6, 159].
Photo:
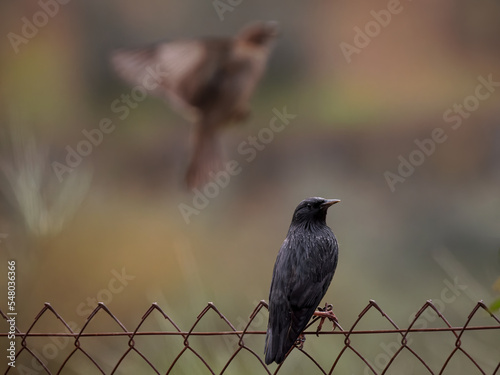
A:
[315, 251]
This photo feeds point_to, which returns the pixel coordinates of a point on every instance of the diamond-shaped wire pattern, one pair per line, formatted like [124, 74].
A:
[31, 360]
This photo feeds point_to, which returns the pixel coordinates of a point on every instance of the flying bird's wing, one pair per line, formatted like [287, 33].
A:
[181, 58]
[161, 68]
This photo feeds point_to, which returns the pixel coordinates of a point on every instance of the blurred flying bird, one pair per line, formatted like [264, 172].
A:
[209, 81]
[302, 273]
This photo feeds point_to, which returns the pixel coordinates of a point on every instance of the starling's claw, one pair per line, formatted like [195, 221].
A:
[328, 307]
[300, 341]
[326, 313]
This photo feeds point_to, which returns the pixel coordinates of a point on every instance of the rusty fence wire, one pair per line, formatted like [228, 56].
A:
[334, 350]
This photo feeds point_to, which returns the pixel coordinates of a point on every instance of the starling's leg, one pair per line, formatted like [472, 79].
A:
[326, 313]
[300, 341]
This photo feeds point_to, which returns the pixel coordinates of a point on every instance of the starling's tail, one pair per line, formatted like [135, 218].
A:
[278, 347]
[206, 159]
[275, 349]
[287, 329]
[277, 340]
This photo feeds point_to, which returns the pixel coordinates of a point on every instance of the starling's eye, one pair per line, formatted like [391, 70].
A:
[309, 205]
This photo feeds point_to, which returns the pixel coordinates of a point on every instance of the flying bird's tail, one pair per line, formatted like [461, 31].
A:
[206, 159]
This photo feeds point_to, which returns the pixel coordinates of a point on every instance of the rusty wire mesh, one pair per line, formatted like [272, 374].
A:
[80, 354]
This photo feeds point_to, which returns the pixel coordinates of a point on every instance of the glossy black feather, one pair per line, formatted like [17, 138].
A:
[302, 273]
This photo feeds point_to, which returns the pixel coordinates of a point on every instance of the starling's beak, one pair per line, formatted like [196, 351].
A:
[329, 202]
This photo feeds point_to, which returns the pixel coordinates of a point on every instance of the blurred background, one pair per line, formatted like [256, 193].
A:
[427, 231]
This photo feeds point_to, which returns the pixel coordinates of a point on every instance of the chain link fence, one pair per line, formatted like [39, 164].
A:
[237, 349]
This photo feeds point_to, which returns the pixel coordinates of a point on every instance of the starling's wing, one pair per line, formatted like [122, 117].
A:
[297, 288]
[161, 69]
[311, 283]
[279, 307]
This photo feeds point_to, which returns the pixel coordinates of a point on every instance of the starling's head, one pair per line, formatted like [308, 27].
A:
[312, 210]
[259, 33]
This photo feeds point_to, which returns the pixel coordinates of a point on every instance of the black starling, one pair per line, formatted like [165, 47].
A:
[210, 81]
[302, 273]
